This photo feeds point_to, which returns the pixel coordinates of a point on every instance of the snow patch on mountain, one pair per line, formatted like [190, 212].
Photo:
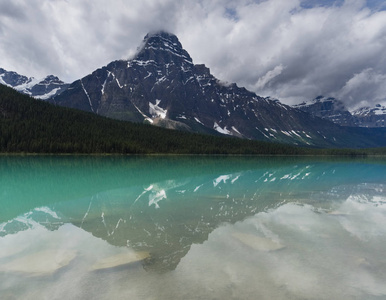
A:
[367, 111]
[48, 95]
[156, 111]
[88, 96]
[144, 115]
[198, 121]
[221, 130]
[235, 129]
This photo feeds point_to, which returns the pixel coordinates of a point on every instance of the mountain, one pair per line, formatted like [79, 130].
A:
[334, 110]
[29, 125]
[370, 116]
[42, 89]
[328, 108]
[162, 86]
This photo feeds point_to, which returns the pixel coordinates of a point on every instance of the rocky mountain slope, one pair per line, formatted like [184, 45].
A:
[162, 86]
[42, 89]
[29, 125]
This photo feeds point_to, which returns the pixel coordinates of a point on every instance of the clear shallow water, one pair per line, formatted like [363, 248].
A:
[192, 228]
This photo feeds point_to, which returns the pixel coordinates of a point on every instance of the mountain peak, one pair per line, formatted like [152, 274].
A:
[322, 101]
[377, 110]
[160, 34]
[42, 89]
[162, 46]
[13, 79]
[51, 79]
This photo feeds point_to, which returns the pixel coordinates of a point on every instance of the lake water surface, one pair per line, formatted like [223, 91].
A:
[79, 227]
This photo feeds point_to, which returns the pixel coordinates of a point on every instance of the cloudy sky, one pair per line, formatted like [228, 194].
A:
[292, 50]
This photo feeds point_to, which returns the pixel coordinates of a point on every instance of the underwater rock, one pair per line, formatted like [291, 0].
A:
[337, 213]
[41, 263]
[120, 260]
[256, 242]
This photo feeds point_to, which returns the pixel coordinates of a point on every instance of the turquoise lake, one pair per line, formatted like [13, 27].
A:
[112, 227]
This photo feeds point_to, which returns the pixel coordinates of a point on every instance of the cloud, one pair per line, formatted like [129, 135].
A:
[292, 50]
[367, 85]
[265, 79]
[320, 48]
[72, 40]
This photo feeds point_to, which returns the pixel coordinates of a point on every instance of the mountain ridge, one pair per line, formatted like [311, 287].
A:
[44, 89]
[334, 110]
[161, 85]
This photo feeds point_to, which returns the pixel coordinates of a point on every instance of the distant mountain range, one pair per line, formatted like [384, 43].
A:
[334, 110]
[45, 88]
[160, 85]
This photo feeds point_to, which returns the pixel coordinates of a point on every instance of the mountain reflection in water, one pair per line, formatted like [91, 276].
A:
[164, 206]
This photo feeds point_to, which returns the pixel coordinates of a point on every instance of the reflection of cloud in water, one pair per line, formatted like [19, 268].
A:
[325, 256]
[295, 251]
[362, 220]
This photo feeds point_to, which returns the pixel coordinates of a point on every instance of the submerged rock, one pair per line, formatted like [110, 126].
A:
[256, 242]
[337, 213]
[120, 260]
[41, 263]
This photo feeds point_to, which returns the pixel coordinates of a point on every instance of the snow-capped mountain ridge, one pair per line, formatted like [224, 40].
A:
[367, 111]
[38, 88]
[370, 116]
[328, 108]
[11, 78]
[318, 99]
[334, 110]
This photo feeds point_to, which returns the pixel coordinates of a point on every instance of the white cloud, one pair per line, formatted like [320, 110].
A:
[266, 78]
[72, 40]
[321, 48]
[272, 47]
[367, 85]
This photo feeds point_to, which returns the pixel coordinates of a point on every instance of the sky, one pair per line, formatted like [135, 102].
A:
[292, 50]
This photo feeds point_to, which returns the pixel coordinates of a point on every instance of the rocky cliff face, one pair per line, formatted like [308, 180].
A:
[42, 89]
[162, 86]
